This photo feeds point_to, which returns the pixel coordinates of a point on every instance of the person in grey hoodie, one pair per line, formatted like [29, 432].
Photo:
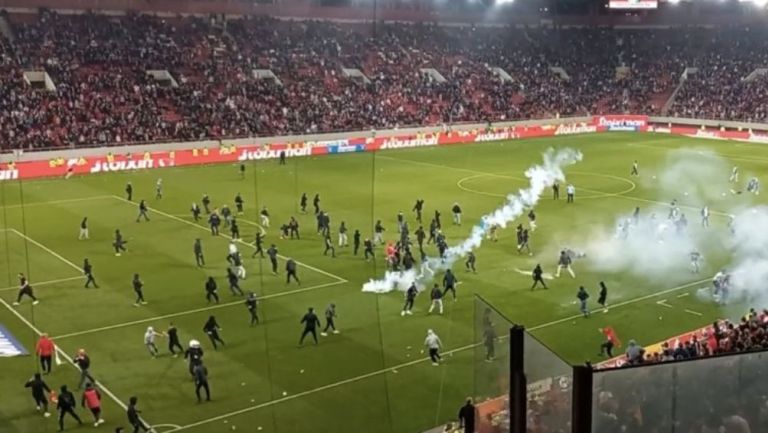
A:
[434, 345]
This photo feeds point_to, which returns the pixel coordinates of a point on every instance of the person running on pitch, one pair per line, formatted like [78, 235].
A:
[410, 297]
[564, 262]
[257, 243]
[330, 320]
[173, 340]
[142, 211]
[290, 269]
[84, 230]
[211, 290]
[200, 374]
[119, 243]
[149, 341]
[537, 275]
[83, 362]
[449, 283]
[433, 344]
[133, 416]
[311, 322]
[234, 285]
[88, 272]
[211, 328]
[195, 209]
[602, 297]
[66, 405]
[198, 250]
[138, 288]
[92, 400]
[25, 289]
[39, 391]
[272, 253]
[470, 264]
[436, 295]
[582, 295]
[252, 304]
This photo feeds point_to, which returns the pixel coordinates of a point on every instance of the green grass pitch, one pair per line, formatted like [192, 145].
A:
[261, 381]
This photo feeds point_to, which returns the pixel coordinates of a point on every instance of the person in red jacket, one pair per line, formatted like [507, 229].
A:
[45, 350]
[92, 400]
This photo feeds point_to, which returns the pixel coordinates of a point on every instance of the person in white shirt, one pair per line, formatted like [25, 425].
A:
[734, 175]
[570, 191]
[434, 345]
[149, 340]
[705, 216]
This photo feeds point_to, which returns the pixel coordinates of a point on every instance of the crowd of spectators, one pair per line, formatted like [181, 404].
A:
[727, 391]
[103, 94]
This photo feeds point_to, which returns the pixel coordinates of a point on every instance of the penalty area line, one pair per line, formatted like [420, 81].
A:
[193, 311]
[395, 368]
[44, 283]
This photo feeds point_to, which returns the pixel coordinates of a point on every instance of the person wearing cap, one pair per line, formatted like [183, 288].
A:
[433, 344]
[39, 389]
[83, 362]
[92, 400]
[194, 354]
[44, 350]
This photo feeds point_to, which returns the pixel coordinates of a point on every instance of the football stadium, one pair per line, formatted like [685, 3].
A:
[539, 216]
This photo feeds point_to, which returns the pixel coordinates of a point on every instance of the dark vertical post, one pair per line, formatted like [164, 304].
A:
[517, 383]
[581, 404]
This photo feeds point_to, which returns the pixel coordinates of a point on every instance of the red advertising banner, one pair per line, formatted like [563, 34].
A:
[621, 122]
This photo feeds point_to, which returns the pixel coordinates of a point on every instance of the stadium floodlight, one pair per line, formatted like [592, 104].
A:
[504, 2]
[760, 3]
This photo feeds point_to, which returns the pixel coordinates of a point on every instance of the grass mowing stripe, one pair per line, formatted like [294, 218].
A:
[414, 362]
[43, 283]
[193, 311]
[173, 217]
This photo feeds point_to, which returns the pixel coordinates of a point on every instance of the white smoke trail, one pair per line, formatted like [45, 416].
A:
[540, 177]
[749, 268]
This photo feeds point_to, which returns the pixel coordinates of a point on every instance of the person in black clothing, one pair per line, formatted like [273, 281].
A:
[311, 322]
[88, 272]
[272, 253]
[420, 236]
[133, 416]
[282, 157]
[449, 283]
[329, 246]
[200, 373]
[211, 328]
[195, 212]
[489, 341]
[556, 191]
[39, 390]
[606, 348]
[194, 354]
[330, 320]
[119, 243]
[470, 264]
[83, 229]
[432, 232]
[206, 203]
[242, 171]
[410, 297]
[257, 242]
[356, 241]
[173, 340]
[210, 290]
[25, 289]
[437, 219]
[198, 249]
[214, 221]
[129, 191]
[418, 207]
[538, 277]
[239, 202]
[252, 304]
[233, 280]
[290, 269]
[316, 203]
[603, 295]
[234, 229]
[83, 362]
[142, 211]
[303, 202]
[138, 287]
[368, 250]
[66, 405]
[293, 227]
[467, 415]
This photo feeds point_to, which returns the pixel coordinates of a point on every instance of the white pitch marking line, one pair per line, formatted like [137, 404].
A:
[52, 252]
[683, 295]
[43, 283]
[45, 203]
[663, 303]
[62, 353]
[410, 363]
[167, 215]
[196, 310]
[695, 313]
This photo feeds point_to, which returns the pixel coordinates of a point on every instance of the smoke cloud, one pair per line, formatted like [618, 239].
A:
[540, 177]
